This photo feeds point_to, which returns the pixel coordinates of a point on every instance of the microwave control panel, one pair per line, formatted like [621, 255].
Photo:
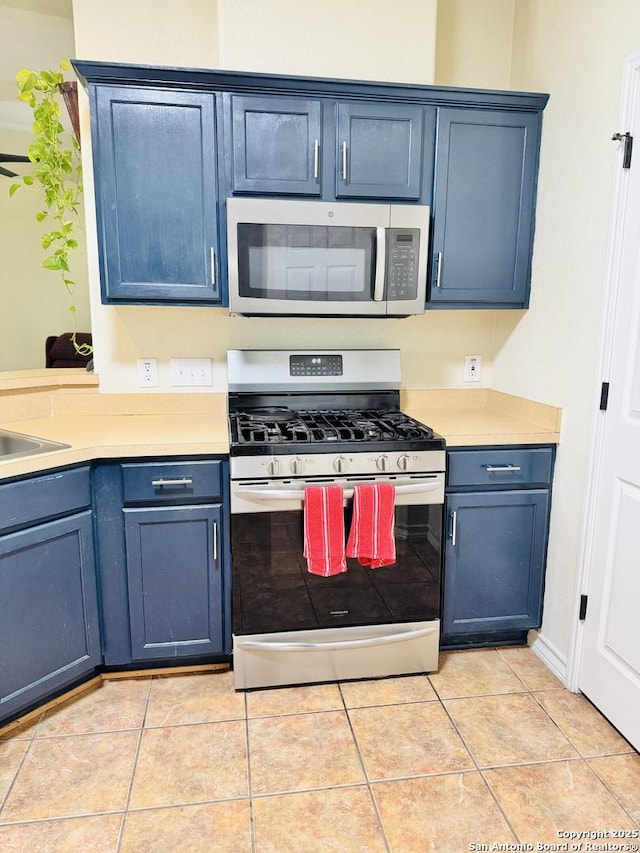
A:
[403, 246]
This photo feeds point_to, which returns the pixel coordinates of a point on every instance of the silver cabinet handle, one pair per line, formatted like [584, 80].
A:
[316, 158]
[454, 528]
[344, 161]
[381, 264]
[212, 259]
[183, 481]
[215, 541]
[509, 469]
[438, 268]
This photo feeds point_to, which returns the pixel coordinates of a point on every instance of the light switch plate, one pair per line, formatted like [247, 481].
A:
[191, 372]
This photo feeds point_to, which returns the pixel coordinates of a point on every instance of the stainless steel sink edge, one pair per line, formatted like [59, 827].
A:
[15, 445]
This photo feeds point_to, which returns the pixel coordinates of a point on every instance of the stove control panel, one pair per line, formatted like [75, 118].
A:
[316, 365]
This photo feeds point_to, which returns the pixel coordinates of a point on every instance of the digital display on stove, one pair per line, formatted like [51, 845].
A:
[315, 365]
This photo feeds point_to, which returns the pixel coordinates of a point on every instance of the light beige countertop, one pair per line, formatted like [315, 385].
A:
[67, 407]
[483, 417]
[71, 410]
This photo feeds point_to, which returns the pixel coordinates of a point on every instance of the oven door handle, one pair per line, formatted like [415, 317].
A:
[298, 494]
[365, 642]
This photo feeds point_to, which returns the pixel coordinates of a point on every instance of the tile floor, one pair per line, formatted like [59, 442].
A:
[489, 751]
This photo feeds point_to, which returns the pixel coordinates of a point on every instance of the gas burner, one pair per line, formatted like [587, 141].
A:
[283, 426]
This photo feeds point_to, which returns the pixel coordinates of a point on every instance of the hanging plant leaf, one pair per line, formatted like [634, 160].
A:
[56, 168]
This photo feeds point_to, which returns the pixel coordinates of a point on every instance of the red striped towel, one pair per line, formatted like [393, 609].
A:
[324, 530]
[371, 538]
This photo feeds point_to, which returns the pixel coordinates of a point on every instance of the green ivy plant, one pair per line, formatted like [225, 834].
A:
[57, 172]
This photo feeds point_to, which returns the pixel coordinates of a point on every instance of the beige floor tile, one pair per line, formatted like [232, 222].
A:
[11, 754]
[115, 706]
[178, 765]
[508, 729]
[75, 775]
[98, 834]
[479, 672]
[585, 726]
[528, 666]
[387, 691]
[621, 774]
[189, 829]
[541, 800]
[198, 698]
[446, 814]
[294, 700]
[301, 751]
[408, 740]
[342, 820]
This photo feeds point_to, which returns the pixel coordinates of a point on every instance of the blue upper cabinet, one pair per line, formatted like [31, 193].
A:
[379, 150]
[276, 145]
[483, 208]
[328, 149]
[170, 145]
[155, 171]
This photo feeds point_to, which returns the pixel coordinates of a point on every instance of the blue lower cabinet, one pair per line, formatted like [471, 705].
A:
[49, 634]
[164, 555]
[174, 576]
[496, 532]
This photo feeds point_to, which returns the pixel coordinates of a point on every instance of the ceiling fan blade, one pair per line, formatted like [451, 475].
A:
[7, 173]
[13, 158]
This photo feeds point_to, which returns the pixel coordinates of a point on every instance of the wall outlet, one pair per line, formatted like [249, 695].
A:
[472, 367]
[191, 372]
[147, 373]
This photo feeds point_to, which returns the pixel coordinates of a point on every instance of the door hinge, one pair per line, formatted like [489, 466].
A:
[628, 147]
[583, 607]
[604, 396]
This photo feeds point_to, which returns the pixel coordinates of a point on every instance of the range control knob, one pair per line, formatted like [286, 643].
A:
[273, 467]
[404, 462]
[296, 466]
[382, 462]
[340, 464]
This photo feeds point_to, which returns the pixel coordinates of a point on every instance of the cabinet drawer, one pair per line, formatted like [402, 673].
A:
[500, 467]
[49, 495]
[175, 482]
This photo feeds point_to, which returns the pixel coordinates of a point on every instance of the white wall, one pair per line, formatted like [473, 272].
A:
[573, 49]
[474, 43]
[33, 301]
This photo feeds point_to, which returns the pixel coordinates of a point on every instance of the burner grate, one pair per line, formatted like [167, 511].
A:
[326, 426]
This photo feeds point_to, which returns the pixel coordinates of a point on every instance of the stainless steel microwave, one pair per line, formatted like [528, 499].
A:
[332, 259]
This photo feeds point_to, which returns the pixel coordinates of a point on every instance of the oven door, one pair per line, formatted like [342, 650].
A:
[293, 627]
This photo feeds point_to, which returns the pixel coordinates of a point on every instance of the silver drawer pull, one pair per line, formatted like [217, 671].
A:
[183, 481]
[454, 528]
[508, 469]
[215, 542]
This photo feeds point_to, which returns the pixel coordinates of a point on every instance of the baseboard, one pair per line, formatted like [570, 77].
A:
[550, 656]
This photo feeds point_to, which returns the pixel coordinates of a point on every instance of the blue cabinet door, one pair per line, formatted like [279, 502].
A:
[276, 145]
[48, 610]
[379, 150]
[494, 561]
[174, 566]
[484, 202]
[155, 171]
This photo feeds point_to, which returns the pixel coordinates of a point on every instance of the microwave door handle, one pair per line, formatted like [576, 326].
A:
[381, 264]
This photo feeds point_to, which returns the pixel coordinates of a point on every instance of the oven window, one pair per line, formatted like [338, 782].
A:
[273, 591]
[306, 262]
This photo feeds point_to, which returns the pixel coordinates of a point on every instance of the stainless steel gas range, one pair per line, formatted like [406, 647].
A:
[317, 418]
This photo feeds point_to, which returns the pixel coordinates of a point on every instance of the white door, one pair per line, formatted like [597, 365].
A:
[609, 668]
